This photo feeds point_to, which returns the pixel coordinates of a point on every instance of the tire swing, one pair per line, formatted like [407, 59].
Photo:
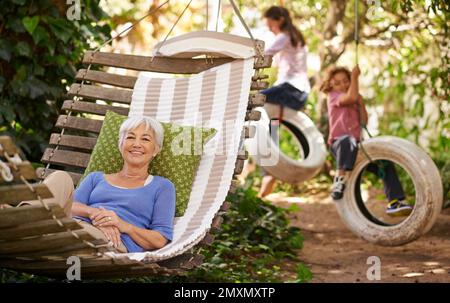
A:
[425, 178]
[268, 154]
[427, 183]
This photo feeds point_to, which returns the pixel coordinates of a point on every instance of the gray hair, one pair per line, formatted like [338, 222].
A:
[150, 123]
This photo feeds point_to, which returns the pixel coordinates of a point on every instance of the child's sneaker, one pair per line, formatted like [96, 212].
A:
[397, 208]
[337, 191]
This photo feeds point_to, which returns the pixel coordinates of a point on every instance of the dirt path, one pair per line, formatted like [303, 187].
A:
[334, 254]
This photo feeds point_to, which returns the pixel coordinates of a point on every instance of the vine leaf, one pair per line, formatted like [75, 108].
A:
[30, 23]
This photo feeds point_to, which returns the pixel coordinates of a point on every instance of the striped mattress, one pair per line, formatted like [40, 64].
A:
[214, 98]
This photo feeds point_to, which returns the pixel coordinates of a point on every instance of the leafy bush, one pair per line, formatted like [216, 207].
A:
[253, 245]
[39, 51]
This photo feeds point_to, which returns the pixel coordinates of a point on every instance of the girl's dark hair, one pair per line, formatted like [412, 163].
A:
[276, 13]
[333, 71]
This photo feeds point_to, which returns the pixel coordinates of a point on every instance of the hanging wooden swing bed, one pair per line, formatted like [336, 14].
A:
[39, 238]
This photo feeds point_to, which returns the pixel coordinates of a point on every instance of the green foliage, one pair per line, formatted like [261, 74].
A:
[303, 273]
[40, 50]
[253, 245]
[289, 144]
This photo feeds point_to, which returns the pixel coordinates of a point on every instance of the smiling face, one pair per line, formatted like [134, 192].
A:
[340, 82]
[139, 146]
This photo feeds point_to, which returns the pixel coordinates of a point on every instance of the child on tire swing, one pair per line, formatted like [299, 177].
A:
[346, 112]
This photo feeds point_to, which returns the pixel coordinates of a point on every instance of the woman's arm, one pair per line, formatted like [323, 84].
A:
[352, 95]
[82, 210]
[147, 239]
[160, 229]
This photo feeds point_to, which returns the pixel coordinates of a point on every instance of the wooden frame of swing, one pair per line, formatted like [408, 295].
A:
[71, 151]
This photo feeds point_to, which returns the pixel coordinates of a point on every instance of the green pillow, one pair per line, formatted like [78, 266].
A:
[178, 167]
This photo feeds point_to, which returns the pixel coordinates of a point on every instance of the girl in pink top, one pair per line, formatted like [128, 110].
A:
[292, 86]
[346, 112]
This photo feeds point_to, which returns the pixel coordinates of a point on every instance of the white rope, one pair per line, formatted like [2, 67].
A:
[173, 26]
[218, 14]
[6, 172]
[356, 36]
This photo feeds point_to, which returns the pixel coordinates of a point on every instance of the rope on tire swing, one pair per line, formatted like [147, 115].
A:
[381, 170]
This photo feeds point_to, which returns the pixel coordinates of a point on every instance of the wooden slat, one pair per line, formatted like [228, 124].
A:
[243, 155]
[259, 85]
[75, 176]
[44, 243]
[249, 131]
[173, 266]
[7, 144]
[93, 108]
[54, 264]
[38, 228]
[263, 62]
[122, 271]
[68, 249]
[207, 240]
[239, 166]
[252, 115]
[233, 186]
[21, 215]
[106, 78]
[259, 76]
[86, 143]
[215, 225]
[185, 261]
[225, 206]
[159, 64]
[129, 81]
[78, 123]
[66, 157]
[25, 169]
[101, 93]
[14, 194]
[256, 99]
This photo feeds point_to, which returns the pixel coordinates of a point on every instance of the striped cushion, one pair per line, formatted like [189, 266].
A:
[206, 42]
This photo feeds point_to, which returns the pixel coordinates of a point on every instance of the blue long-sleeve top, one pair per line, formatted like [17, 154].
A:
[151, 206]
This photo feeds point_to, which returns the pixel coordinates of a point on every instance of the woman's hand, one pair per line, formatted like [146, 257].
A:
[112, 233]
[108, 218]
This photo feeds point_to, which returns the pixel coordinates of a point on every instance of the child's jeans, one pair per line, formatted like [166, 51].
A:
[345, 149]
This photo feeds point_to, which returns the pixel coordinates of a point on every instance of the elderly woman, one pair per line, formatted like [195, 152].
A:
[131, 209]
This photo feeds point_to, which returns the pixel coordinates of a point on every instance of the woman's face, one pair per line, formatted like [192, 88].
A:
[139, 146]
[340, 82]
[274, 25]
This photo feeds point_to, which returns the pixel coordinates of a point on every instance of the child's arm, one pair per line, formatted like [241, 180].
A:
[362, 110]
[352, 95]
[279, 44]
